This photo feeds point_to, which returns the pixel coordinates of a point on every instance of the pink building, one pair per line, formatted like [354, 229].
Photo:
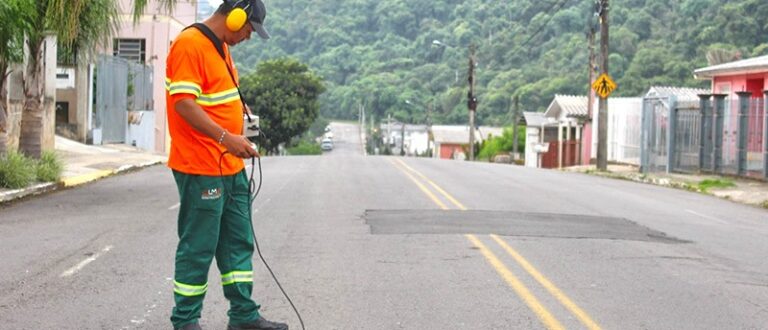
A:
[148, 42]
[750, 75]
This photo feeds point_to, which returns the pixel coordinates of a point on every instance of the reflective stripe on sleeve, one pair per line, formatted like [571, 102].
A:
[236, 276]
[218, 98]
[189, 290]
[184, 87]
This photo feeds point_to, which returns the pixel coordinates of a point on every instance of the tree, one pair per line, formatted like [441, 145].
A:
[284, 94]
[379, 52]
[496, 145]
[11, 38]
[78, 24]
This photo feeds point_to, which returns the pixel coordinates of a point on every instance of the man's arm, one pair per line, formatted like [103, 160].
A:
[236, 144]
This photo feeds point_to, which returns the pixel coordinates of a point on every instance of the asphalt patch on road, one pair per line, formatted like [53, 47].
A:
[510, 223]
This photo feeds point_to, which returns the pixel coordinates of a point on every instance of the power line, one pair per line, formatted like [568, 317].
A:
[554, 11]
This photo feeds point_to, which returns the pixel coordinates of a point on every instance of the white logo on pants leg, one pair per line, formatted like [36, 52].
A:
[210, 194]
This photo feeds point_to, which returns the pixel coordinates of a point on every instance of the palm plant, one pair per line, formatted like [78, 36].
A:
[140, 5]
[11, 38]
[77, 24]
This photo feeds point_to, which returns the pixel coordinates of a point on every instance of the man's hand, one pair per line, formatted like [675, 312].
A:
[239, 146]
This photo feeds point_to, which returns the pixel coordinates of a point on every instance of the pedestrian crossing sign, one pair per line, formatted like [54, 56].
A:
[604, 85]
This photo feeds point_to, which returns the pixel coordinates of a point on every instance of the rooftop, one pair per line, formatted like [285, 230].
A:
[568, 106]
[681, 93]
[751, 65]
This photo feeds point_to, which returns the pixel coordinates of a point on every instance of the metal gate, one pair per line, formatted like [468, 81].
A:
[654, 134]
[120, 86]
[687, 136]
[111, 99]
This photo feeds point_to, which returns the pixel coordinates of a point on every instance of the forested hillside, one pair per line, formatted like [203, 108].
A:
[381, 52]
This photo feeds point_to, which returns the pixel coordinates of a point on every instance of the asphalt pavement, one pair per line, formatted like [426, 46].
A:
[369, 242]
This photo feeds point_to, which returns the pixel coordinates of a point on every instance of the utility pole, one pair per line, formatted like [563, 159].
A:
[360, 119]
[362, 126]
[389, 130]
[602, 124]
[402, 139]
[590, 93]
[373, 135]
[471, 102]
[515, 117]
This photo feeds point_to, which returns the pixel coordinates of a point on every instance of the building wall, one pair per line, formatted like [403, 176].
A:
[586, 143]
[532, 138]
[158, 28]
[755, 83]
[68, 95]
[450, 150]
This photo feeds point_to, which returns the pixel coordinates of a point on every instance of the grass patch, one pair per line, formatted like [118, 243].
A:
[49, 167]
[705, 185]
[16, 171]
[305, 148]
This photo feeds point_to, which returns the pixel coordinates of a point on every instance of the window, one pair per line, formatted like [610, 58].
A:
[130, 49]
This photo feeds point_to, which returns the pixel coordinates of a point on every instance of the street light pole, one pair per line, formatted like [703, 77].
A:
[471, 102]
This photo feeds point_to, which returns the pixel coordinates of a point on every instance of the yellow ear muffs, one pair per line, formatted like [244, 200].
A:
[236, 19]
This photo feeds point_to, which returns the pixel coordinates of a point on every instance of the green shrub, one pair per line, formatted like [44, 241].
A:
[305, 148]
[491, 148]
[502, 144]
[16, 171]
[49, 167]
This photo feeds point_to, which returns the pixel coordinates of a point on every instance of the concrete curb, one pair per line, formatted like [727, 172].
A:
[85, 178]
[671, 183]
[29, 191]
[69, 182]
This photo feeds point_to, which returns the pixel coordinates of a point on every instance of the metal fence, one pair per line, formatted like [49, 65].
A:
[714, 134]
[757, 133]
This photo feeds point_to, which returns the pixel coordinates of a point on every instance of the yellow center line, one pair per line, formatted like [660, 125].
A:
[553, 290]
[422, 187]
[544, 315]
[519, 288]
[440, 190]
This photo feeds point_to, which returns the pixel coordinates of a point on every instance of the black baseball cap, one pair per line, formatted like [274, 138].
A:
[256, 12]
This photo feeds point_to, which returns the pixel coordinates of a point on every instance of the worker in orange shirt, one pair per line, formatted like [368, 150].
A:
[205, 120]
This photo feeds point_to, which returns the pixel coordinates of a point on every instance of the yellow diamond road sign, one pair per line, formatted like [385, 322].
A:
[603, 86]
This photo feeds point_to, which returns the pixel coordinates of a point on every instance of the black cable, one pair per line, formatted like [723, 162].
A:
[551, 9]
[251, 197]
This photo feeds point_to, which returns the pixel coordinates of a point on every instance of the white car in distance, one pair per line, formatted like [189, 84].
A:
[326, 144]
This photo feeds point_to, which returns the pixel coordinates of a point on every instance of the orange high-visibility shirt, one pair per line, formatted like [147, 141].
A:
[195, 70]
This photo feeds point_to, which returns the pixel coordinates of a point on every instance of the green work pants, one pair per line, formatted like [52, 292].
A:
[214, 220]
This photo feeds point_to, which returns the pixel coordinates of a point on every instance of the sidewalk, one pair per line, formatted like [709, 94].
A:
[745, 191]
[85, 163]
